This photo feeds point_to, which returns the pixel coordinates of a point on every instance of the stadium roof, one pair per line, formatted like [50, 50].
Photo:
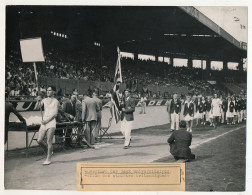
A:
[163, 31]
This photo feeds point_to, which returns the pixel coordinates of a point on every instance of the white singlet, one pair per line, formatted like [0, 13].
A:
[50, 109]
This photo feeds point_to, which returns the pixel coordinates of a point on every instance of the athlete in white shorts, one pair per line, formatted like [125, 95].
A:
[48, 123]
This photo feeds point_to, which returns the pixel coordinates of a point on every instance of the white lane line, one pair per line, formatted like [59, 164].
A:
[202, 142]
[213, 138]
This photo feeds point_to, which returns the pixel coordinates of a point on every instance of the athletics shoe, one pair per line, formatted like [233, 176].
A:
[47, 162]
[125, 147]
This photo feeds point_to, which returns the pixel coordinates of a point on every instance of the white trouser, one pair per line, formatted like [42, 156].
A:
[222, 116]
[240, 116]
[174, 119]
[126, 127]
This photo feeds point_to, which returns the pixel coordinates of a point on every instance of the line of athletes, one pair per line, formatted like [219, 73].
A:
[213, 110]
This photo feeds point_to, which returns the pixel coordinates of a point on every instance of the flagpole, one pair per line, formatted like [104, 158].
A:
[36, 79]
[115, 99]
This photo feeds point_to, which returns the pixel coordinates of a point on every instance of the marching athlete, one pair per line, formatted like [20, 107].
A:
[48, 123]
[216, 109]
[189, 113]
[175, 109]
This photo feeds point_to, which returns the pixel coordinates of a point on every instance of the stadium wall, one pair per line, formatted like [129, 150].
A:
[31, 105]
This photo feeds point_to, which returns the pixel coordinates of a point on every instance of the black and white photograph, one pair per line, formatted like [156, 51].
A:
[125, 84]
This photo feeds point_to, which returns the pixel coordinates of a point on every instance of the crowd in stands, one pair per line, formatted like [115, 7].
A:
[59, 65]
[161, 74]
[20, 77]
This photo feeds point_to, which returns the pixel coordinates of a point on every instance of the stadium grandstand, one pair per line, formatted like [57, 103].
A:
[82, 51]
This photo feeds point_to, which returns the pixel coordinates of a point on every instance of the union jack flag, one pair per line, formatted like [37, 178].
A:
[115, 99]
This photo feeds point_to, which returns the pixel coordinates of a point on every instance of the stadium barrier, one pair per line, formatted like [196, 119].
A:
[31, 105]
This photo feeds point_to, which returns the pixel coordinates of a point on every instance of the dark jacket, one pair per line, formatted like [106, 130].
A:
[239, 106]
[200, 107]
[69, 108]
[180, 141]
[208, 105]
[224, 105]
[129, 109]
[78, 111]
[189, 110]
[231, 106]
[175, 106]
[204, 106]
[244, 104]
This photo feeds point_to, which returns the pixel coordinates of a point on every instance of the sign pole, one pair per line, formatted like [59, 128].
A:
[36, 78]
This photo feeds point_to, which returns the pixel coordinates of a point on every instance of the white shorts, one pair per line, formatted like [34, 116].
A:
[51, 124]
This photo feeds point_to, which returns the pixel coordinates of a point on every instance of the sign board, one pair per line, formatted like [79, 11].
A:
[32, 50]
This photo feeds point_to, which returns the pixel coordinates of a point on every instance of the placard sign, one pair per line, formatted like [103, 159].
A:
[32, 50]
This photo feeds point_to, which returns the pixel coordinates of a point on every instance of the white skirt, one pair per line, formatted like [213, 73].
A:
[210, 115]
[188, 117]
[229, 114]
[207, 116]
[216, 111]
[198, 115]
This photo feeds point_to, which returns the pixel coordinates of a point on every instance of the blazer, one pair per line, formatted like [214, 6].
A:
[180, 141]
[175, 106]
[199, 107]
[89, 109]
[99, 104]
[69, 108]
[208, 106]
[78, 111]
[231, 106]
[244, 104]
[129, 109]
[204, 106]
[238, 106]
[224, 105]
[189, 110]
